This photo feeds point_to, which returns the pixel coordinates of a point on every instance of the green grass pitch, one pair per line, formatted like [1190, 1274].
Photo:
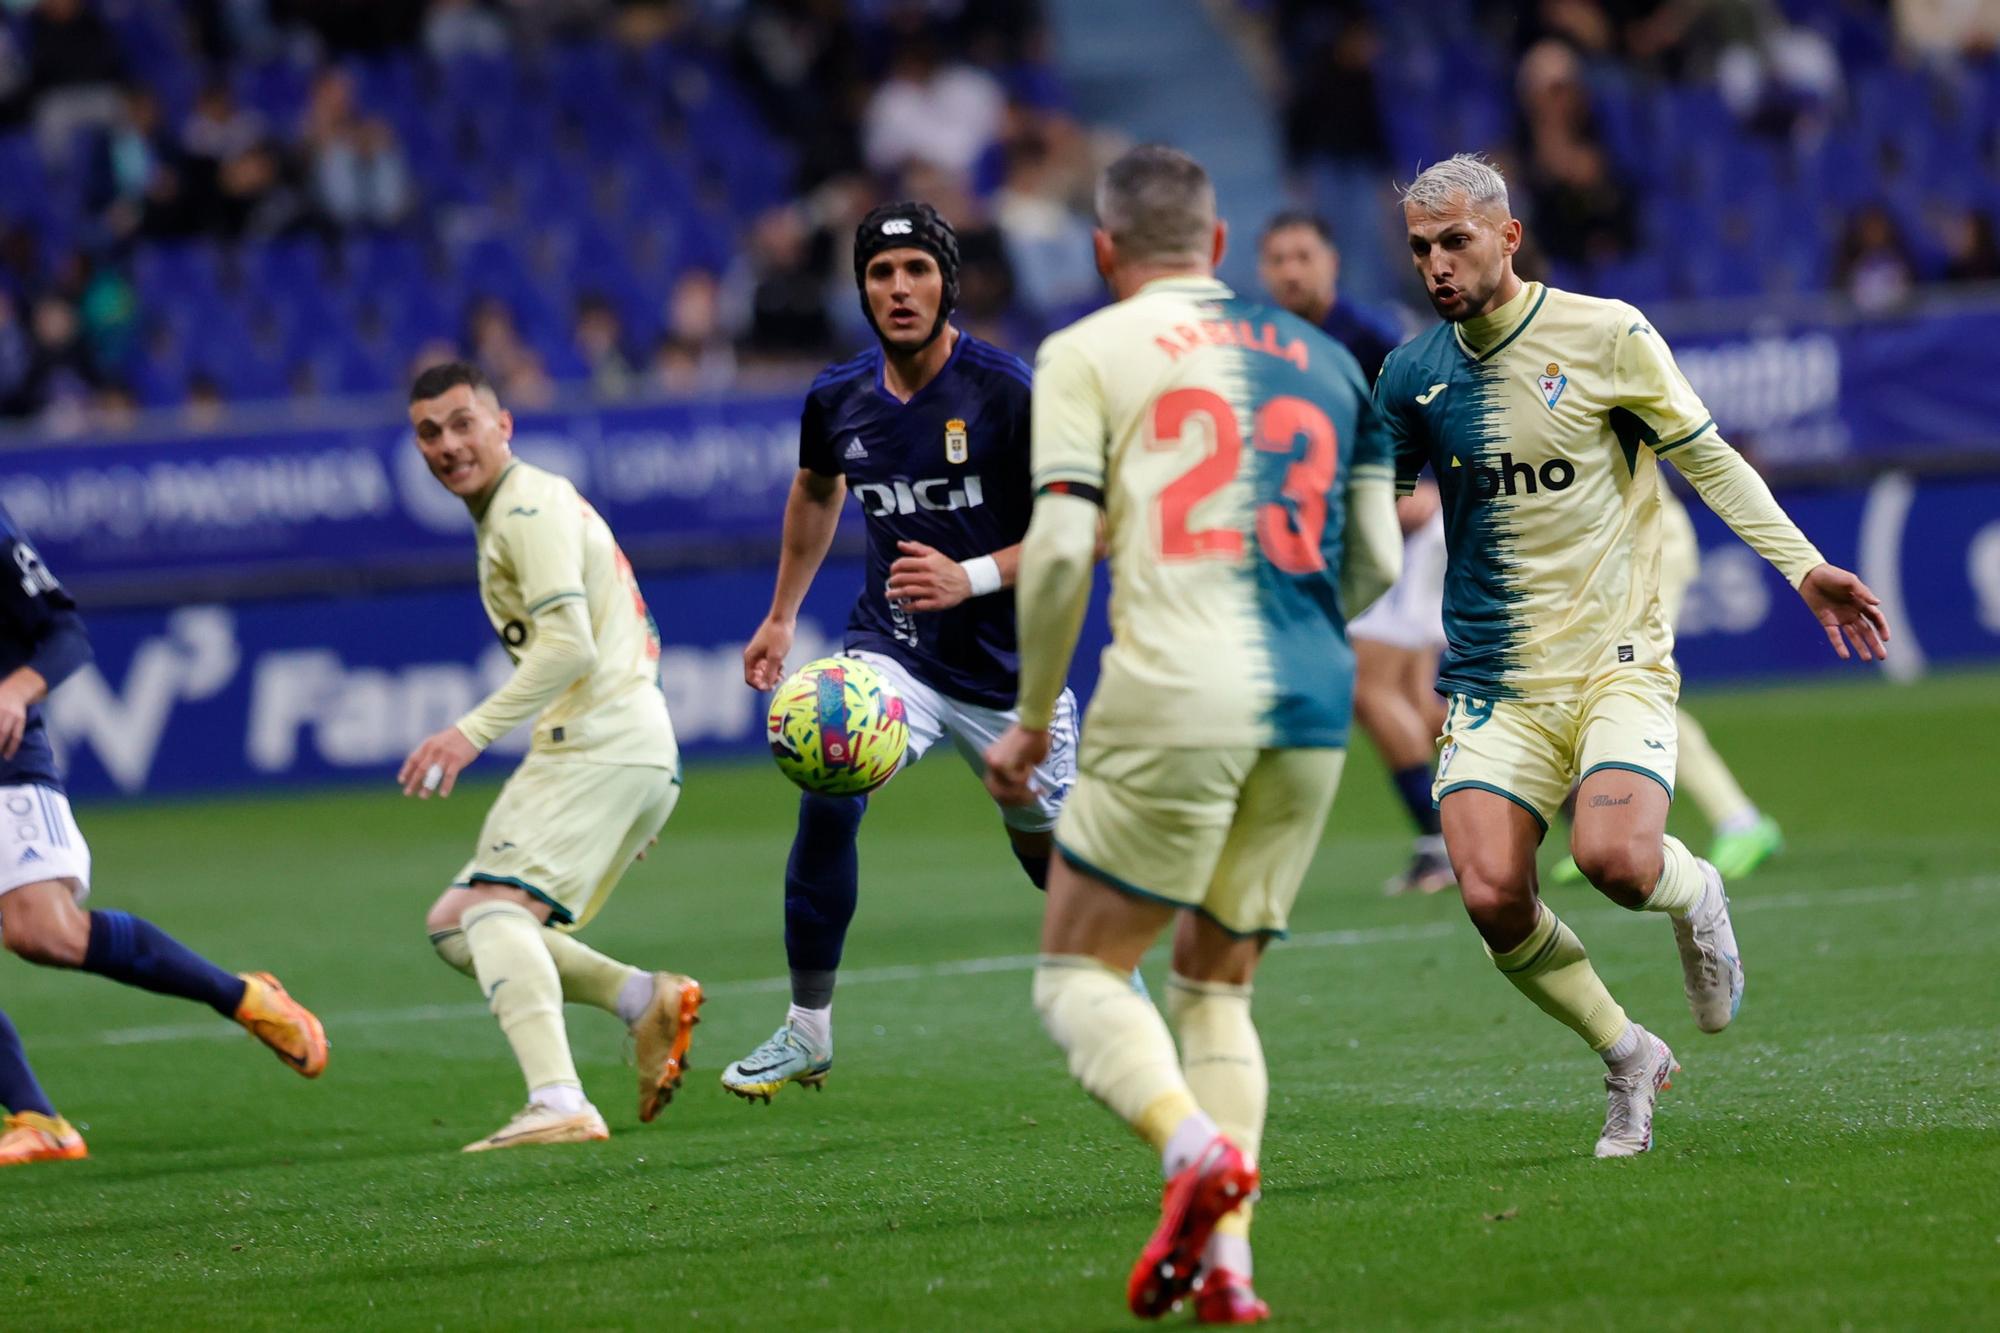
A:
[1831, 1161]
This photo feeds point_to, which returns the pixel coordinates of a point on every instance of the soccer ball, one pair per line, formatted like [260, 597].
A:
[836, 727]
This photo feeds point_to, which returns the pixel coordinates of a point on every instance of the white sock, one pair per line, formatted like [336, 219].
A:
[1627, 1046]
[1429, 844]
[563, 1098]
[634, 996]
[1185, 1144]
[814, 1026]
[1227, 1252]
[1741, 822]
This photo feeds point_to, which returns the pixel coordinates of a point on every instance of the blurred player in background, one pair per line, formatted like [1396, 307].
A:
[33, 1132]
[929, 430]
[1246, 492]
[1397, 640]
[45, 866]
[1544, 414]
[601, 776]
[1744, 837]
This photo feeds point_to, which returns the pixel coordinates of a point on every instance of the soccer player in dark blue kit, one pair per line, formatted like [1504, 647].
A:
[929, 431]
[45, 870]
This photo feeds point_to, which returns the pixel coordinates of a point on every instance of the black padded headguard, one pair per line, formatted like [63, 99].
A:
[908, 223]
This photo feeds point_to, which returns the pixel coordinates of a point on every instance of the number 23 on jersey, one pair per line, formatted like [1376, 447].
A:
[1289, 527]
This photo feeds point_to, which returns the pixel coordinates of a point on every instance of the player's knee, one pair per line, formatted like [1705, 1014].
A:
[442, 916]
[1494, 899]
[1623, 872]
[52, 939]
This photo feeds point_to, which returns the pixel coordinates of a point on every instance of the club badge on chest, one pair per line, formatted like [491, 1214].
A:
[1552, 383]
[955, 446]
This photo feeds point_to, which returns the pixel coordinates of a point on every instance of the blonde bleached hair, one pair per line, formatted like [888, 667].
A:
[1466, 177]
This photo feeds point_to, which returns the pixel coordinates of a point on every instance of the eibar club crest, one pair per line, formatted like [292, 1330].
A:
[1552, 383]
[955, 450]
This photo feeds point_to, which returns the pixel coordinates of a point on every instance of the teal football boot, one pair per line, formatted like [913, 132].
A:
[785, 1058]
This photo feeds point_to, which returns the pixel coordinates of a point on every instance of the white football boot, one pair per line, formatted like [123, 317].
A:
[1711, 970]
[1629, 1096]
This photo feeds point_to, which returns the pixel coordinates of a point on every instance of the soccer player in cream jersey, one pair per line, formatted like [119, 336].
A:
[1544, 415]
[601, 776]
[1246, 494]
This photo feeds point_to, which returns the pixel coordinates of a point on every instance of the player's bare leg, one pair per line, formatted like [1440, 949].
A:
[1208, 998]
[1093, 936]
[503, 932]
[1493, 842]
[1405, 738]
[1620, 843]
[42, 923]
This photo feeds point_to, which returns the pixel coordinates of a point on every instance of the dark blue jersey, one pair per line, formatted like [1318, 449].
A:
[949, 469]
[1369, 335]
[39, 627]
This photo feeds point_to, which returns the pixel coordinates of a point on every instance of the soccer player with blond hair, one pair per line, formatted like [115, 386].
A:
[1246, 495]
[1544, 415]
[601, 776]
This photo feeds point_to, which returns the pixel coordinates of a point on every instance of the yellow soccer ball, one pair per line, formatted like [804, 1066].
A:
[836, 727]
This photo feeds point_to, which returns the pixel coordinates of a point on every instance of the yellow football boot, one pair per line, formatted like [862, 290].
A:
[282, 1023]
[34, 1137]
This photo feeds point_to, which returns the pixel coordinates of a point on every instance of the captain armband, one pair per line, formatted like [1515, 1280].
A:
[1082, 490]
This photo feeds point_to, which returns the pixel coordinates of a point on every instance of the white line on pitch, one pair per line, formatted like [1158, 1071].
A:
[1022, 962]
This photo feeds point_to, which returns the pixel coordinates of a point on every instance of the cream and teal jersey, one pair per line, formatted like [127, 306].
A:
[1544, 422]
[541, 544]
[1222, 435]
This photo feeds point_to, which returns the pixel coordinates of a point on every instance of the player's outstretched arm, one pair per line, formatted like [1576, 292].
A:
[1842, 603]
[812, 515]
[1374, 557]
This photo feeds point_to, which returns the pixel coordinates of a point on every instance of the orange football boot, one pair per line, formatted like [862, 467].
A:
[34, 1137]
[662, 1035]
[282, 1023]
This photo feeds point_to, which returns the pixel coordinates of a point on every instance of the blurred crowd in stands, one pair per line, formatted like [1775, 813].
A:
[207, 202]
[1670, 149]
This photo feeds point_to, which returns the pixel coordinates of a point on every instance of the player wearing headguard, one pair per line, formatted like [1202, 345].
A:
[928, 430]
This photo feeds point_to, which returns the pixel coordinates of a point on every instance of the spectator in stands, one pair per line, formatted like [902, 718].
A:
[1874, 266]
[1332, 110]
[17, 361]
[359, 173]
[694, 355]
[138, 187]
[15, 85]
[1048, 242]
[61, 375]
[600, 339]
[944, 115]
[75, 73]
[205, 408]
[458, 28]
[788, 318]
[218, 133]
[1970, 249]
[1582, 212]
[113, 408]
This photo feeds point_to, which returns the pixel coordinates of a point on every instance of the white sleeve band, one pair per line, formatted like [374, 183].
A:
[984, 573]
